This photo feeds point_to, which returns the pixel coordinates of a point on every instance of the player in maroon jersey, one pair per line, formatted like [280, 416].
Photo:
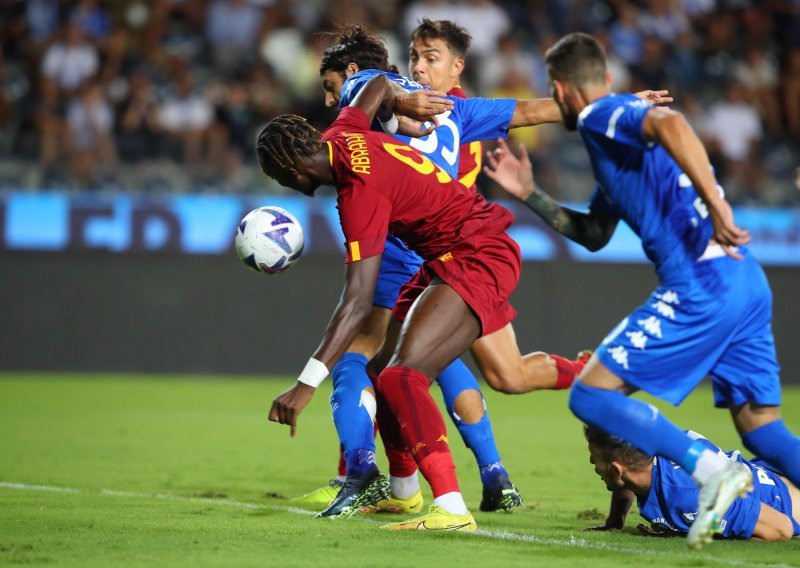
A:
[471, 268]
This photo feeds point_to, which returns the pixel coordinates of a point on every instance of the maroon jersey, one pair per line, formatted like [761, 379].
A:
[386, 186]
[470, 155]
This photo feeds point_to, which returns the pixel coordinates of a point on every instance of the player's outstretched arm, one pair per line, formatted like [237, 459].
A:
[515, 175]
[542, 111]
[673, 132]
[353, 309]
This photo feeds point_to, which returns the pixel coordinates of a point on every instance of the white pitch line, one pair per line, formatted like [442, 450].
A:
[571, 542]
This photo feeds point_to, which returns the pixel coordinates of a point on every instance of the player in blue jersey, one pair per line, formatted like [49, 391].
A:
[710, 315]
[667, 496]
[353, 399]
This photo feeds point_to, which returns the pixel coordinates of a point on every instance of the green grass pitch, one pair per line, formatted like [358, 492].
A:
[162, 471]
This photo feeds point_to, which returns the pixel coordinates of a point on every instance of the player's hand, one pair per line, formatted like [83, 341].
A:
[611, 524]
[655, 97]
[513, 174]
[656, 531]
[422, 104]
[415, 128]
[287, 406]
[726, 232]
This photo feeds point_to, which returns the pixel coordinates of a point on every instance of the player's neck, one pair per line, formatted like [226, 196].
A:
[587, 94]
[318, 167]
[639, 481]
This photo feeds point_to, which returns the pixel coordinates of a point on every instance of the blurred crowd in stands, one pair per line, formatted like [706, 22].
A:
[167, 95]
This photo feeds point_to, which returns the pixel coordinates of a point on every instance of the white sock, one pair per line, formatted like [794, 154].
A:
[341, 478]
[452, 502]
[708, 464]
[404, 487]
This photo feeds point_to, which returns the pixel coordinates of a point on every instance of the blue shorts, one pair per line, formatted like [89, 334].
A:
[716, 323]
[398, 265]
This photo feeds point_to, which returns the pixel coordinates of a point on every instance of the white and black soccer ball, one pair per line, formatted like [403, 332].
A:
[269, 240]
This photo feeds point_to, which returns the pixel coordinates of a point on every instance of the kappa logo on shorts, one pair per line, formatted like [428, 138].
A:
[620, 355]
[446, 257]
[669, 297]
[665, 309]
[651, 325]
[638, 339]
[443, 438]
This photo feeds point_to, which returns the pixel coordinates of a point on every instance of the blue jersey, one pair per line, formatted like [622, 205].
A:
[672, 502]
[470, 120]
[640, 183]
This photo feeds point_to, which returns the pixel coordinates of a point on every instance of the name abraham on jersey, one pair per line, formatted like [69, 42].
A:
[359, 156]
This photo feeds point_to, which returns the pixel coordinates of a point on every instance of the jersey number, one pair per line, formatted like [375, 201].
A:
[430, 144]
[417, 161]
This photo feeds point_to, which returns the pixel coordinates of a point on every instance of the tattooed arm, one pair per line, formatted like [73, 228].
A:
[591, 230]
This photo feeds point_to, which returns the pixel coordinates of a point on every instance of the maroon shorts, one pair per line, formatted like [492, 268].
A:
[482, 269]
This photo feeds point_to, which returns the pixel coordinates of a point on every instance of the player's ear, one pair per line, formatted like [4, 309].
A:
[608, 79]
[558, 90]
[458, 66]
[352, 69]
[616, 470]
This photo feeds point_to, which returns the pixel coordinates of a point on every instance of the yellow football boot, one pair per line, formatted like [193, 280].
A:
[319, 498]
[437, 519]
[406, 506]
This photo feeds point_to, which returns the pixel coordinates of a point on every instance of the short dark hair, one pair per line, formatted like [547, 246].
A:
[457, 38]
[354, 44]
[614, 449]
[577, 58]
[285, 140]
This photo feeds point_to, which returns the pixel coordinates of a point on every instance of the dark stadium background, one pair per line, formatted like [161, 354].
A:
[161, 101]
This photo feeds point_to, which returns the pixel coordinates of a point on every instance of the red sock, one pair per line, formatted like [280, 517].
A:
[401, 463]
[421, 424]
[342, 463]
[567, 371]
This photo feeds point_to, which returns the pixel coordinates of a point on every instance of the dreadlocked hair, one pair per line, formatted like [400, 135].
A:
[286, 140]
[354, 44]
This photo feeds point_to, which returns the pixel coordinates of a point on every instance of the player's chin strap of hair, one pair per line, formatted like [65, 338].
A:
[314, 373]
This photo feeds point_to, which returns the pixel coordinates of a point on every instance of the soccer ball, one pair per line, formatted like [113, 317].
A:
[269, 240]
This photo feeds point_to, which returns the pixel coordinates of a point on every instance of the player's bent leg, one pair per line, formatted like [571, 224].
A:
[467, 409]
[599, 399]
[765, 434]
[439, 327]
[506, 370]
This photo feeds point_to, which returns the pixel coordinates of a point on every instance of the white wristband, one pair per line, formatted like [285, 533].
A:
[391, 125]
[314, 373]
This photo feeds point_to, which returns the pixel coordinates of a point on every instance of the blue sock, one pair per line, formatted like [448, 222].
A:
[635, 422]
[353, 410]
[478, 437]
[359, 462]
[776, 445]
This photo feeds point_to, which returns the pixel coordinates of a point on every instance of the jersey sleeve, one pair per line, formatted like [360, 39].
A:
[350, 119]
[484, 119]
[364, 215]
[620, 119]
[354, 84]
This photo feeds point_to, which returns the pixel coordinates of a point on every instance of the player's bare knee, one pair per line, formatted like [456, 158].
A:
[469, 406]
